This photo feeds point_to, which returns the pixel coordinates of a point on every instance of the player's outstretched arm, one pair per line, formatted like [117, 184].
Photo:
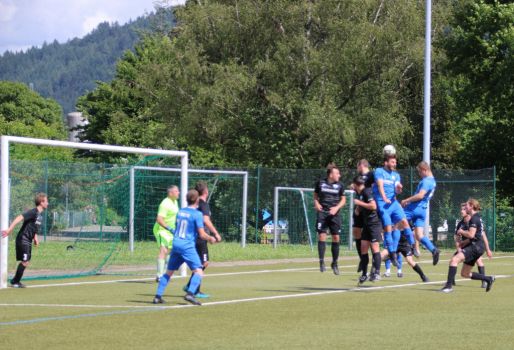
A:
[15, 222]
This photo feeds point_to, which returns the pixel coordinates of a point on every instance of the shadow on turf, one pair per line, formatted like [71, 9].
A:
[303, 289]
[139, 282]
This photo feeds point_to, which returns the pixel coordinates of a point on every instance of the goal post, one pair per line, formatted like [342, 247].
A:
[133, 170]
[5, 179]
[302, 191]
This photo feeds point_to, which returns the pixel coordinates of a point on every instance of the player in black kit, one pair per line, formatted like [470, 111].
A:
[28, 232]
[372, 229]
[358, 221]
[328, 200]
[471, 252]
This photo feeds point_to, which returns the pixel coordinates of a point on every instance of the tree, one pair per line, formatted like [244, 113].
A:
[479, 45]
[278, 83]
[24, 112]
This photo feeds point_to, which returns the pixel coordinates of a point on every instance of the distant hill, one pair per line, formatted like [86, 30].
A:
[66, 71]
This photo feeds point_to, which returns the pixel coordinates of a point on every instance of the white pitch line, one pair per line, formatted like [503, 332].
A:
[245, 300]
[212, 275]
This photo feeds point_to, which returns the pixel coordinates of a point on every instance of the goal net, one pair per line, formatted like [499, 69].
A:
[88, 213]
[295, 218]
[228, 193]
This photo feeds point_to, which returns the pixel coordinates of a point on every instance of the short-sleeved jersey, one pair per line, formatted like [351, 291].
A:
[476, 222]
[168, 210]
[329, 193]
[390, 179]
[370, 216]
[205, 209]
[189, 220]
[32, 220]
[369, 178]
[463, 224]
[428, 185]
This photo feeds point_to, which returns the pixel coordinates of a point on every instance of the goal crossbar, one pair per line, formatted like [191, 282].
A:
[301, 190]
[5, 182]
[190, 171]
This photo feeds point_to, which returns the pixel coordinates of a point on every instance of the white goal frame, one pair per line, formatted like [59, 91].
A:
[302, 190]
[5, 182]
[190, 171]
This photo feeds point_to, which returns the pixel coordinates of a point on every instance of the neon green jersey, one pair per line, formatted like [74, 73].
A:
[168, 210]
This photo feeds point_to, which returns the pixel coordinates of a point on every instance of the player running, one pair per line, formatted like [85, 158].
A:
[471, 252]
[416, 207]
[164, 227]
[461, 242]
[328, 200]
[189, 227]
[28, 232]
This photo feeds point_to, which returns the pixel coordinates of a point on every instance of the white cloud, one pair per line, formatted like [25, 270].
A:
[26, 23]
[7, 11]
[91, 22]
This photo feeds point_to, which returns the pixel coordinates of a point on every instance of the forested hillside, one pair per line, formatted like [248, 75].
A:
[65, 71]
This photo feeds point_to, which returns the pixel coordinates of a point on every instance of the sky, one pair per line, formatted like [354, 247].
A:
[27, 23]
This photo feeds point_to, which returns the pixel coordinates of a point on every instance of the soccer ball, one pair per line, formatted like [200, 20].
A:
[389, 150]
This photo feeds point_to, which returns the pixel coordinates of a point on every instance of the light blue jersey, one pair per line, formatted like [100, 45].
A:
[390, 179]
[428, 185]
[189, 220]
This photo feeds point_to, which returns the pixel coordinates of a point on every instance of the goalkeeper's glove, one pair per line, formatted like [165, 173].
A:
[169, 229]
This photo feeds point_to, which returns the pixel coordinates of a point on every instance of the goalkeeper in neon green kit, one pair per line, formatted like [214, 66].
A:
[164, 227]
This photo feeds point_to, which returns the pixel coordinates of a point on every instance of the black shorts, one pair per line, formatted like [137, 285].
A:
[404, 249]
[23, 251]
[372, 233]
[202, 250]
[472, 252]
[358, 221]
[325, 221]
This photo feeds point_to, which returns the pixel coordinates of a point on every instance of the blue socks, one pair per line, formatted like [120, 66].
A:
[388, 264]
[427, 244]
[196, 280]
[410, 236]
[163, 283]
[388, 242]
[396, 240]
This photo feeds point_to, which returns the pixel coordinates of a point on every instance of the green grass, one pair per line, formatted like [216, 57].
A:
[329, 314]
[54, 258]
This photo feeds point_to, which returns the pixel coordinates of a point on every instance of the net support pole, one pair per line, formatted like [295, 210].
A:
[275, 217]
[131, 210]
[307, 220]
[245, 203]
[427, 98]
[4, 209]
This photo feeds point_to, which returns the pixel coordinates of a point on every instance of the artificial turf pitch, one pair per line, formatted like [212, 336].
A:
[278, 306]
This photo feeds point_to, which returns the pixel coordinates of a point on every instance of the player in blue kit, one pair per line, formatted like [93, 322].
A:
[416, 207]
[189, 227]
[387, 185]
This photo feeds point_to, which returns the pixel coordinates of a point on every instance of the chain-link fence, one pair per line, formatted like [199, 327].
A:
[86, 195]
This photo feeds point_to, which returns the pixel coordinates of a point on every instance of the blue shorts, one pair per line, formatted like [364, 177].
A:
[184, 254]
[390, 214]
[416, 215]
